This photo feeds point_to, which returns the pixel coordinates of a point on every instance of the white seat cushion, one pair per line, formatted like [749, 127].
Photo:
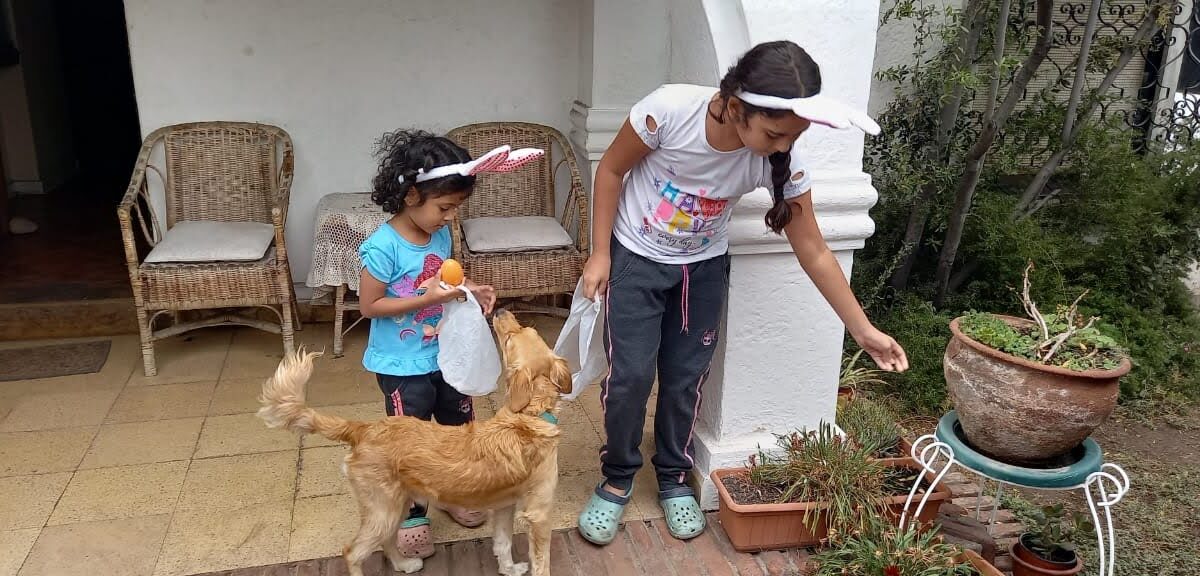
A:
[515, 234]
[204, 241]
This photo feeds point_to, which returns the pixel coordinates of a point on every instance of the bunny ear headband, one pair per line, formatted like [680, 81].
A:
[819, 109]
[502, 159]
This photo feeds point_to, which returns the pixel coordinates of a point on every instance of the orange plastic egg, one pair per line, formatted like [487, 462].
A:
[452, 272]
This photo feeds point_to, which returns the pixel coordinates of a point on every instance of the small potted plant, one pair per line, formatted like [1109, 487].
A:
[1046, 548]
[816, 482]
[882, 550]
[854, 377]
[1029, 390]
[871, 425]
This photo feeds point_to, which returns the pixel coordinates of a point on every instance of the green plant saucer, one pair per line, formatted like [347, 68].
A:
[1072, 472]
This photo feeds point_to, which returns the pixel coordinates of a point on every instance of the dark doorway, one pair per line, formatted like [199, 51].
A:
[76, 253]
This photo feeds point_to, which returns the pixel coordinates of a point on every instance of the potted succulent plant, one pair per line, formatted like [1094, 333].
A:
[873, 426]
[1046, 548]
[1031, 390]
[882, 550]
[815, 483]
[853, 377]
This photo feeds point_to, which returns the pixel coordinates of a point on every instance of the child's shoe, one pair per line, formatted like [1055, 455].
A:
[415, 538]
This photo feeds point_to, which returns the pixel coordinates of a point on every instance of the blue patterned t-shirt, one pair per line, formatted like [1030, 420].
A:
[404, 345]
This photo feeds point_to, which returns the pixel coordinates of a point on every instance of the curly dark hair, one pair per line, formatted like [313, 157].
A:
[404, 152]
[782, 69]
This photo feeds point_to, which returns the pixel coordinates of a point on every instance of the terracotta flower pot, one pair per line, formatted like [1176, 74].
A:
[1027, 563]
[757, 527]
[846, 393]
[1019, 411]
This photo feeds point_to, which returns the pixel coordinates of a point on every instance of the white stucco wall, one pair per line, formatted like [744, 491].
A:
[895, 47]
[693, 57]
[624, 55]
[336, 75]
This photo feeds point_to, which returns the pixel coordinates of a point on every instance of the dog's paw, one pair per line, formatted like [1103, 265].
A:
[518, 569]
[409, 565]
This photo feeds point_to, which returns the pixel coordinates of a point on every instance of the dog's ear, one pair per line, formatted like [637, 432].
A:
[560, 374]
[519, 390]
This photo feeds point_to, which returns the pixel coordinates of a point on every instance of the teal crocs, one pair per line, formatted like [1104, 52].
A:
[601, 518]
[683, 515]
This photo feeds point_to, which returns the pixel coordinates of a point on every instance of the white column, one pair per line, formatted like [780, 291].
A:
[778, 365]
[624, 54]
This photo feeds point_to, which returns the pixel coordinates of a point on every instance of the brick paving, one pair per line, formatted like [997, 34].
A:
[645, 548]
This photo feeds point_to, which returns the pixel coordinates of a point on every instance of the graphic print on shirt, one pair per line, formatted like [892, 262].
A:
[425, 321]
[690, 219]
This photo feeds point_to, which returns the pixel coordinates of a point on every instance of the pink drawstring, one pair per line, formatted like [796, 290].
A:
[683, 304]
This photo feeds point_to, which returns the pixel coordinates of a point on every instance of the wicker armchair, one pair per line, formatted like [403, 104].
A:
[222, 174]
[522, 272]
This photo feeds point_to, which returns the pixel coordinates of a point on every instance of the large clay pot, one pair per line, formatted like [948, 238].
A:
[1022, 412]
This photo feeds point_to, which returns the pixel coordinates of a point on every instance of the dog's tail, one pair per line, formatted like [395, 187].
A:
[283, 404]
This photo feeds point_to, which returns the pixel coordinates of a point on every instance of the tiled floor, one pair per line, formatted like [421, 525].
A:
[118, 474]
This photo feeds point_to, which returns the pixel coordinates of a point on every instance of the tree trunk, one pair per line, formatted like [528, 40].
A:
[947, 118]
[999, 40]
[965, 191]
[1081, 64]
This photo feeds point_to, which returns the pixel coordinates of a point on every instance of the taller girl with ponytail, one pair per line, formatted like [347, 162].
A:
[662, 201]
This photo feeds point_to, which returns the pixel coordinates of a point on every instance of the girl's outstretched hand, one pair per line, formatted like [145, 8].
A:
[883, 349]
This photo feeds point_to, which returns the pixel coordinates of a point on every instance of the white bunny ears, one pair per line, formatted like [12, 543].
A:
[502, 159]
[818, 108]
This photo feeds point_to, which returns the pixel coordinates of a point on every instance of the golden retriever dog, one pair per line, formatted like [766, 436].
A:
[508, 461]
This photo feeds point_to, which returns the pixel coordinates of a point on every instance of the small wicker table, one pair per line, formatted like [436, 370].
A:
[343, 222]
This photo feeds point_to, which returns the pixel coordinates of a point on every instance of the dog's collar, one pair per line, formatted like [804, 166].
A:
[547, 416]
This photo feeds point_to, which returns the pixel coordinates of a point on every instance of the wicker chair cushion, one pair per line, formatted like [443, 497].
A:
[206, 241]
[515, 234]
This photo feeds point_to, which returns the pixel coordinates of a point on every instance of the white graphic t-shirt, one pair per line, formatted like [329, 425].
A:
[676, 203]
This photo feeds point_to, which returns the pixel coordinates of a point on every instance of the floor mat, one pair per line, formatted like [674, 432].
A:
[33, 362]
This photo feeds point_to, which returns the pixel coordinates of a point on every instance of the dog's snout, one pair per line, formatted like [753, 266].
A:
[504, 322]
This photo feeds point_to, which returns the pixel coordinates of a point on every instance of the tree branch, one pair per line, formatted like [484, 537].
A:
[1030, 307]
[1149, 26]
[965, 192]
[1081, 64]
[1001, 36]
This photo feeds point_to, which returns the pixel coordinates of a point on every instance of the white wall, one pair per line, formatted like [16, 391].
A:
[895, 47]
[624, 55]
[693, 57]
[336, 75]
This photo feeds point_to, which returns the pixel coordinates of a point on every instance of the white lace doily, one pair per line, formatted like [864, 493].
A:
[344, 220]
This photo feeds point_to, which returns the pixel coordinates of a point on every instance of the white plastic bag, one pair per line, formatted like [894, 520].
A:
[581, 342]
[467, 353]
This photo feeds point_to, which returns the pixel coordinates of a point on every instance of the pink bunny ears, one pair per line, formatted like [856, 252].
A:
[819, 109]
[502, 159]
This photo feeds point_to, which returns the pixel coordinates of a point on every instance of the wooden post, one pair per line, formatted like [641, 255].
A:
[3, 198]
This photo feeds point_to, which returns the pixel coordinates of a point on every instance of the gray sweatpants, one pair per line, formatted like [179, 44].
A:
[665, 317]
